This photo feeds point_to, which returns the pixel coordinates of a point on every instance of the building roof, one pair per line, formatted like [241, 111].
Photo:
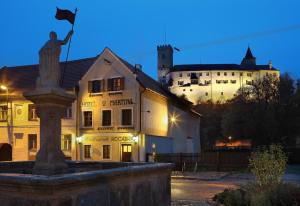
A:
[23, 78]
[249, 54]
[211, 67]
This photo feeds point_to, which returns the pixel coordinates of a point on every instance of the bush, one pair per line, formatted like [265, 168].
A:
[268, 165]
[255, 195]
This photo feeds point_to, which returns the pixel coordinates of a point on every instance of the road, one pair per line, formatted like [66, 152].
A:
[199, 190]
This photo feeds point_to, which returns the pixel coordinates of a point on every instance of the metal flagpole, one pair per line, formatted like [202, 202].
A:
[66, 62]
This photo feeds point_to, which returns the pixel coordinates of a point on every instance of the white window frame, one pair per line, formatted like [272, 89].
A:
[111, 117]
[110, 152]
[123, 108]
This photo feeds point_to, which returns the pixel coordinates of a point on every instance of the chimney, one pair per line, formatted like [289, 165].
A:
[138, 66]
[270, 64]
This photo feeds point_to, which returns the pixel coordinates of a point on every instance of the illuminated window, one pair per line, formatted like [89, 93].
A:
[106, 151]
[32, 116]
[96, 86]
[87, 151]
[115, 84]
[106, 117]
[87, 118]
[3, 113]
[126, 117]
[66, 143]
[32, 142]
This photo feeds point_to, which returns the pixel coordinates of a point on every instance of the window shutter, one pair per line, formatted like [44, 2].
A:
[102, 85]
[90, 86]
[109, 84]
[122, 83]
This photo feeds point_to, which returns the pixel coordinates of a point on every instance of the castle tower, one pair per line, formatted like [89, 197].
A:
[249, 59]
[164, 62]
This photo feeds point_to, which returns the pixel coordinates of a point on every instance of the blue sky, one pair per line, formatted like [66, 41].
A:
[133, 29]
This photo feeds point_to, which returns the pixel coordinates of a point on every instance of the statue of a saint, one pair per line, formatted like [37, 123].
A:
[49, 70]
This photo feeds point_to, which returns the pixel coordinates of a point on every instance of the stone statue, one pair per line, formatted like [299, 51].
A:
[49, 70]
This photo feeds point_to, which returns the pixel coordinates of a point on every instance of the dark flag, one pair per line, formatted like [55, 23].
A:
[65, 15]
[176, 49]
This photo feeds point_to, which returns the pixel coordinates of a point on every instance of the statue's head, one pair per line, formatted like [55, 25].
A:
[53, 35]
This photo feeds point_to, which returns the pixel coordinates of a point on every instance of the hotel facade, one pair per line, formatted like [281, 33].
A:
[120, 113]
[209, 82]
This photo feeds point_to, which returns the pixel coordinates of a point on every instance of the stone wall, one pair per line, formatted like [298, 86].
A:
[123, 185]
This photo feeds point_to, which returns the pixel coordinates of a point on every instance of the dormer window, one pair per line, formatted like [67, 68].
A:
[115, 84]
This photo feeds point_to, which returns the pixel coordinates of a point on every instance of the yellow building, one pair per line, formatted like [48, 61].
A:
[203, 82]
[120, 113]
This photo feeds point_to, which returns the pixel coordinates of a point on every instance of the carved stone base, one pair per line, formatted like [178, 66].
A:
[51, 106]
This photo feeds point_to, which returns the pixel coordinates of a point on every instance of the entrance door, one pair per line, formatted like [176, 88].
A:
[126, 150]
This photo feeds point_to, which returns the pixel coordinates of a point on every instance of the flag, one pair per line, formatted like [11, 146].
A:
[65, 15]
[176, 49]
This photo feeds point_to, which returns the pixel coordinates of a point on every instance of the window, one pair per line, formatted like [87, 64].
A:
[225, 73]
[68, 113]
[115, 84]
[233, 81]
[180, 74]
[207, 81]
[249, 75]
[191, 90]
[87, 151]
[218, 81]
[106, 117]
[106, 151]
[188, 74]
[180, 83]
[241, 74]
[206, 93]
[87, 118]
[126, 117]
[249, 82]
[218, 73]
[96, 86]
[194, 81]
[207, 73]
[3, 113]
[222, 93]
[32, 112]
[66, 143]
[232, 73]
[183, 90]
[200, 74]
[225, 81]
[32, 142]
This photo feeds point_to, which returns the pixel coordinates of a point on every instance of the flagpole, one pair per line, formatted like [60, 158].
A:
[66, 62]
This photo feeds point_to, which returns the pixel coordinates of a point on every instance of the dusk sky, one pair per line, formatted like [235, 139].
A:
[206, 31]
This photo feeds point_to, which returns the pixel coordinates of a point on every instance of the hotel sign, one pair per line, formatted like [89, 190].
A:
[113, 139]
[118, 102]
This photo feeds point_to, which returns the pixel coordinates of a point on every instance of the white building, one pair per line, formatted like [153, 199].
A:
[203, 82]
[120, 113]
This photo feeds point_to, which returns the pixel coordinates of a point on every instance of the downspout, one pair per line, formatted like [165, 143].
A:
[140, 127]
[77, 132]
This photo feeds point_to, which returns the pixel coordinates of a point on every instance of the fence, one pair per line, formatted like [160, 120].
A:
[217, 160]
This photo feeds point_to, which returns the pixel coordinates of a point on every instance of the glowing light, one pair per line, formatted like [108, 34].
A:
[79, 139]
[153, 146]
[135, 138]
[3, 87]
[229, 137]
[173, 119]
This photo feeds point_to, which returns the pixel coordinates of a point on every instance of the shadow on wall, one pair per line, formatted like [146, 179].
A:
[5, 152]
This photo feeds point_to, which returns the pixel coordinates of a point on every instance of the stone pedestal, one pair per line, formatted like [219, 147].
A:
[51, 106]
